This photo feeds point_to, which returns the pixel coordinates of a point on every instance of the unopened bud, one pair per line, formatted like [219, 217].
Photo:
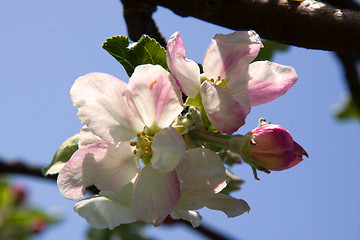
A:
[273, 147]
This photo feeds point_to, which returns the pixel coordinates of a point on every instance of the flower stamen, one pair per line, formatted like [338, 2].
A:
[143, 147]
[221, 82]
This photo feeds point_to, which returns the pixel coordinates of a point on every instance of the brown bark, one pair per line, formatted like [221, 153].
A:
[307, 24]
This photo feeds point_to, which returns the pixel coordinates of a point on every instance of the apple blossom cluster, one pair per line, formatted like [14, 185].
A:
[152, 155]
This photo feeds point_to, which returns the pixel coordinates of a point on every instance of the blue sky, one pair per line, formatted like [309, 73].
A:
[46, 45]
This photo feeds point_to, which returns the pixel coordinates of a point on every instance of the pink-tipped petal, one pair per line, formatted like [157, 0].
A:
[155, 195]
[268, 81]
[168, 148]
[100, 99]
[229, 54]
[101, 164]
[273, 147]
[232, 207]
[185, 71]
[224, 112]
[201, 174]
[192, 217]
[109, 209]
[300, 152]
[155, 95]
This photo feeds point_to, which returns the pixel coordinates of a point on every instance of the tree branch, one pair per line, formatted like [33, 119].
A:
[351, 73]
[18, 167]
[206, 231]
[307, 23]
[138, 18]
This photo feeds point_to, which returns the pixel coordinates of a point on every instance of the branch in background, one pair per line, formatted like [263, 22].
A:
[308, 24]
[138, 17]
[349, 61]
[18, 167]
[206, 231]
[352, 76]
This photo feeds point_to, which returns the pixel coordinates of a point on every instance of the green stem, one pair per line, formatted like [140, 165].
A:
[201, 137]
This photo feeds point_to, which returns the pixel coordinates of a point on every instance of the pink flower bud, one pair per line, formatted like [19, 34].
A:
[19, 194]
[273, 148]
[38, 224]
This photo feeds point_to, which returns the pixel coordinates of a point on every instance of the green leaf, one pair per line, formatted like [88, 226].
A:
[62, 155]
[145, 51]
[270, 48]
[348, 111]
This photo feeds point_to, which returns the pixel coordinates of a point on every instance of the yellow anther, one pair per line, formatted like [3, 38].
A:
[222, 83]
[143, 146]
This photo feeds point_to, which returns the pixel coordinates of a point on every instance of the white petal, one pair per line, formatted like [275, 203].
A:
[223, 110]
[109, 209]
[168, 148]
[101, 164]
[87, 137]
[192, 217]
[100, 99]
[229, 54]
[185, 71]
[268, 81]
[155, 195]
[201, 174]
[232, 207]
[154, 95]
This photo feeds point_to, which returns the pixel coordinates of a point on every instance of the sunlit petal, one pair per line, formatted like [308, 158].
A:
[155, 95]
[192, 217]
[268, 81]
[168, 148]
[201, 174]
[232, 207]
[100, 99]
[229, 54]
[86, 137]
[185, 71]
[155, 195]
[223, 111]
[109, 209]
[101, 164]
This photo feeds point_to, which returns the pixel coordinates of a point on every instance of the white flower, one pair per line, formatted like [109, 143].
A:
[116, 113]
